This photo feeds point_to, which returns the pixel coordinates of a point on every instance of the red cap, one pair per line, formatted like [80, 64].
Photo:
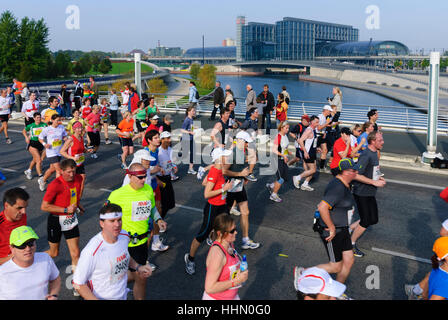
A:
[444, 194]
[306, 117]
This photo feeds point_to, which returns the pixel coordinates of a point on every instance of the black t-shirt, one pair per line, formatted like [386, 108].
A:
[341, 201]
[166, 127]
[298, 130]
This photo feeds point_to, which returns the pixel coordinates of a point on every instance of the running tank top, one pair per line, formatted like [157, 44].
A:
[77, 150]
[223, 132]
[282, 142]
[228, 272]
[311, 144]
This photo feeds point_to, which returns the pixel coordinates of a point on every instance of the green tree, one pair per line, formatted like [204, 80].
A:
[63, 64]
[9, 48]
[157, 85]
[85, 63]
[425, 63]
[95, 60]
[410, 64]
[105, 66]
[207, 76]
[194, 70]
[77, 69]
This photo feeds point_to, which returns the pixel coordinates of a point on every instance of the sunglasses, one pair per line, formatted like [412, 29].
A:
[141, 177]
[232, 231]
[26, 244]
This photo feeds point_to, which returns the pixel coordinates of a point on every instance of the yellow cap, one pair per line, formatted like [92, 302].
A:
[440, 248]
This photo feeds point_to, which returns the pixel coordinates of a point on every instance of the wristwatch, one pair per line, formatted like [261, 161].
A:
[65, 210]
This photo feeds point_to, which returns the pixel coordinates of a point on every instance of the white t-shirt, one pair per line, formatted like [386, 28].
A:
[30, 283]
[322, 121]
[28, 108]
[54, 137]
[165, 156]
[103, 267]
[4, 106]
[353, 141]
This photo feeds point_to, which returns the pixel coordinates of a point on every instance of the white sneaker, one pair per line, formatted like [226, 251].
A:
[151, 265]
[28, 174]
[41, 184]
[306, 188]
[275, 197]
[249, 244]
[296, 181]
[159, 246]
[235, 211]
[201, 172]
[189, 265]
[191, 171]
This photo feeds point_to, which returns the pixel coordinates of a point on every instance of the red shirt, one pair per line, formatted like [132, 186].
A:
[6, 227]
[151, 127]
[93, 120]
[339, 146]
[86, 111]
[62, 193]
[134, 102]
[215, 176]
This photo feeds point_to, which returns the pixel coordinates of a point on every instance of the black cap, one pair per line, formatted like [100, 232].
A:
[346, 130]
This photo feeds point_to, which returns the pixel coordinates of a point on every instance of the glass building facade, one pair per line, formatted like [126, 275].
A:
[211, 52]
[361, 48]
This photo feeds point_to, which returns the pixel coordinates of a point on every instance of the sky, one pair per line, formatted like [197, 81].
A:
[121, 26]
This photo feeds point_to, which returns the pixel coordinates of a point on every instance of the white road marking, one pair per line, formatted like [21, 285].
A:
[414, 184]
[106, 190]
[8, 170]
[402, 255]
[22, 187]
[189, 208]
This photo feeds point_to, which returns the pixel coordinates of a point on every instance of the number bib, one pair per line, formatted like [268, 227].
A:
[143, 125]
[56, 143]
[376, 173]
[119, 268]
[37, 131]
[141, 210]
[80, 158]
[68, 222]
[237, 185]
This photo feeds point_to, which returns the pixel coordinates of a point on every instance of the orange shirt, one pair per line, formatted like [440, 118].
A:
[126, 126]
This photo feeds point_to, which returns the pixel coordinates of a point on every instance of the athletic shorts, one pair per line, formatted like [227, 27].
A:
[312, 158]
[157, 194]
[55, 233]
[95, 139]
[126, 142]
[209, 215]
[321, 139]
[4, 117]
[282, 170]
[367, 209]
[340, 243]
[139, 253]
[81, 169]
[138, 123]
[37, 145]
[236, 196]
[299, 153]
[55, 159]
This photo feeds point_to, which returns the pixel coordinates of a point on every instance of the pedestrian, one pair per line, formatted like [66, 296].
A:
[296, 133]
[193, 95]
[25, 92]
[342, 149]
[17, 88]
[125, 96]
[31, 133]
[336, 100]
[251, 100]
[141, 118]
[260, 108]
[167, 121]
[66, 102]
[188, 135]
[366, 129]
[224, 275]
[5, 111]
[218, 100]
[316, 284]
[105, 116]
[165, 160]
[15, 203]
[29, 275]
[113, 102]
[11, 97]
[93, 87]
[133, 100]
[105, 262]
[47, 114]
[78, 94]
[93, 126]
[251, 127]
[322, 141]
[356, 132]
[365, 186]
[152, 108]
[372, 115]
[286, 95]
[280, 148]
[76, 118]
[267, 98]
[281, 109]
[30, 107]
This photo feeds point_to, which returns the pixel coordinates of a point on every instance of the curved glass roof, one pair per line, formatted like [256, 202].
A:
[229, 52]
[361, 48]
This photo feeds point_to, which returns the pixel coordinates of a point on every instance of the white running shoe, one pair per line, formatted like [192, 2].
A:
[191, 171]
[275, 197]
[189, 265]
[151, 265]
[42, 184]
[201, 172]
[409, 289]
[296, 181]
[159, 246]
[306, 188]
[28, 174]
[250, 244]
[235, 211]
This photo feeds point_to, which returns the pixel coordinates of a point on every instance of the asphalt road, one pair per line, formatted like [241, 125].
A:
[410, 218]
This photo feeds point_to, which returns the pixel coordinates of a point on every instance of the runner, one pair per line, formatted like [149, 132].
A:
[280, 148]
[224, 275]
[138, 205]
[373, 117]
[296, 133]
[54, 135]
[15, 203]
[94, 123]
[105, 115]
[47, 114]
[438, 280]
[35, 148]
[86, 108]
[251, 126]
[152, 108]
[307, 143]
[165, 155]
[281, 109]
[366, 183]
[342, 149]
[366, 129]
[29, 275]
[125, 131]
[141, 119]
[102, 271]
[188, 134]
[324, 123]
[62, 202]
[76, 118]
[356, 147]
[215, 193]
[5, 110]
[29, 108]
[316, 284]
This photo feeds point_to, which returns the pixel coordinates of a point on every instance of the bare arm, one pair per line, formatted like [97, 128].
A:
[54, 286]
[324, 210]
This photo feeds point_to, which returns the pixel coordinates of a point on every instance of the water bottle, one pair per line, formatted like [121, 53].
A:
[316, 215]
[243, 265]
[223, 194]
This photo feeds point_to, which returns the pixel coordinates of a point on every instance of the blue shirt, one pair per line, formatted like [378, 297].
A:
[363, 135]
[438, 283]
[153, 164]
[192, 95]
[188, 122]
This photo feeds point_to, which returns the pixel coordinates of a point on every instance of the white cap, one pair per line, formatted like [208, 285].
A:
[143, 155]
[165, 134]
[316, 280]
[327, 107]
[155, 117]
[219, 152]
[445, 224]
[245, 136]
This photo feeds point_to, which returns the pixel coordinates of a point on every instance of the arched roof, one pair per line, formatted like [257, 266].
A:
[211, 52]
[361, 48]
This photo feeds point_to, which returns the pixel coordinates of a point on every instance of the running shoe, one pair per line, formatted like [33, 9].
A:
[296, 181]
[28, 174]
[249, 244]
[191, 171]
[275, 197]
[174, 178]
[235, 211]
[357, 252]
[162, 230]
[409, 289]
[251, 178]
[151, 265]
[159, 246]
[297, 273]
[306, 188]
[8, 141]
[189, 265]
[41, 184]
[201, 172]
[344, 297]
[269, 187]
[76, 293]
[108, 141]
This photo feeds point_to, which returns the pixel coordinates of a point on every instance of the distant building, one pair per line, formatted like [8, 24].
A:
[165, 52]
[143, 53]
[228, 42]
[211, 52]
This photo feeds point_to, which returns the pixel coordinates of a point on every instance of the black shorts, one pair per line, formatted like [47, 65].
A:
[37, 145]
[55, 159]
[126, 142]
[81, 169]
[95, 139]
[55, 233]
[4, 117]
[282, 170]
[299, 153]
[236, 196]
[321, 140]
[139, 253]
[138, 123]
[209, 215]
[367, 209]
[340, 243]
[312, 156]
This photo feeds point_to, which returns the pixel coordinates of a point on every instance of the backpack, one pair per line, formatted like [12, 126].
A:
[440, 163]
[197, 94]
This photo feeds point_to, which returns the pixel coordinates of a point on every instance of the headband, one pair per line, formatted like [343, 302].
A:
[110, 215]
[135, 173]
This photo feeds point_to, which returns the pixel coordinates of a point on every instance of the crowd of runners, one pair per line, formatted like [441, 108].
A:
[132, 218]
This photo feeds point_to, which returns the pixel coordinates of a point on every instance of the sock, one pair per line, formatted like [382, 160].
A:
[417, 289]
[300, 177]
[245, 239]
[191, 258]
[155, 238]
[274, 194]
[322, 163]
[353, 243]
[271, 185]
[305, 183]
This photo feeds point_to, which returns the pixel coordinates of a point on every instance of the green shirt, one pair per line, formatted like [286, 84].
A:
[35, 130]
[141, 115]
[137, 207]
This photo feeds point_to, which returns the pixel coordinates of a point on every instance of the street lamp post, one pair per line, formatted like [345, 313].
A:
[138, 73]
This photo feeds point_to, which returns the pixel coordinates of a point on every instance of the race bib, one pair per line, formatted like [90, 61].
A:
[376, 174]
[141, 210]
[56, 143]
[315, 143]
[168, 167]
[237, 185]
[119, 268]
[143, 124]
[37, 132]
[80, 158]
[350, 214]
[68, 222]
[233, 270]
